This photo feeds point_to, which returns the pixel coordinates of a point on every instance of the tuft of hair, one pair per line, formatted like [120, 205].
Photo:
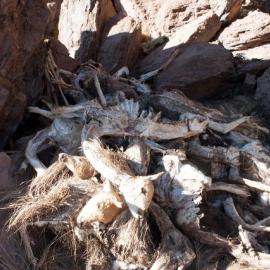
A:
[109, 157]
[41, 184]
[30, 208]
[133, 238]
[97, 256]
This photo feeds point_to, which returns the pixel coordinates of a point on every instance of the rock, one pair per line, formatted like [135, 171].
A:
[53, 7]
[249, 32]
[227, 10]
[202, 29]
[200, 71]
[249, 83]
[121, 46]
[61, 56]
[5, 172]
[263, 5]
[160, 18]
[262, 94]
[256, 67]
[22, 57]
[81, 24]
[12, 105]
[261, 52]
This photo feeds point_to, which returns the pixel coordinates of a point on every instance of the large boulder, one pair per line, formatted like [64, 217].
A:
[227, 10]
[164, 17]
[200, 71]
[22, 57]
[81, 24]
[61, 56]
[262, 94]
[202, 29]
[160, 17]
[121, 45]
[6, 179]
[248, 32]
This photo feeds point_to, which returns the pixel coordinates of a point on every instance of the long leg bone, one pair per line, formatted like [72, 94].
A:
[175, 249]
[232, 212]
[32, 150]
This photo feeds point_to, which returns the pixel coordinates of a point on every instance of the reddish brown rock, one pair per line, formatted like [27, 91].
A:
[22, 55]
[5, 172]
[53, 7]
[202, 29]
[121, 46]
[227, 10]
[164, 17]
[12, 105]
[61, 56]
[200, 71]
[262, 94]
[251, 31]
[81, 24]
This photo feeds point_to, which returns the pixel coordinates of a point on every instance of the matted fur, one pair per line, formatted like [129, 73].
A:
[96, 254]
[29, 209]
[132, 238]
[41, 184]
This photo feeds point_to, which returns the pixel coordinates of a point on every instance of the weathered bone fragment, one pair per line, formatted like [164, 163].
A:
[138, 155]
[232, 212]
[181, 188]
[119, 265]
[66, 134]
[256, 185]
[175, 250]
[27, 245]
[256, 160]
[32, 150]
[230, 188]
[72, 111]
[99, 91]
[225, 128]
[220, 158]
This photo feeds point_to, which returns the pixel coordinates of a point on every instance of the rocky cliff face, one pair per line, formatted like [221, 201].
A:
[24, 26]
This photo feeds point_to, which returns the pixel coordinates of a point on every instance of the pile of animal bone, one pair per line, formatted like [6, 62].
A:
[142, 180]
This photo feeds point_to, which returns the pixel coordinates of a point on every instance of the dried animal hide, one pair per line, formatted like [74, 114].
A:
[138, 155]
[126, 121]
[137, 190]
[79, 166]
[180, 188]
[102, 207]
[64, 132]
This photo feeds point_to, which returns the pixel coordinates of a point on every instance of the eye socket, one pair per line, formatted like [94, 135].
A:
[143, 190]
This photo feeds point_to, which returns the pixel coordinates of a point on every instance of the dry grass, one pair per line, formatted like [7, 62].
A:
[59, 258]
[28, 209]
[109, 157]
[45, 195]
[96, 254]
[133, 238]
[41, 184]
